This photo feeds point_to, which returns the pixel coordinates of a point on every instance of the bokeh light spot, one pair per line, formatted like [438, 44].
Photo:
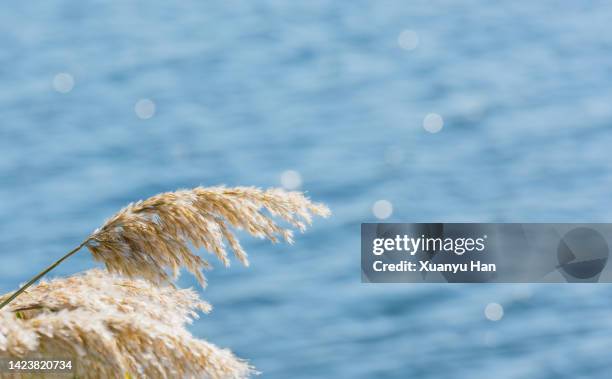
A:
[382, 209]
[63, 82]
[494, 311]
[408, 40]
[144, 108]
[291, 179]
[433, 123]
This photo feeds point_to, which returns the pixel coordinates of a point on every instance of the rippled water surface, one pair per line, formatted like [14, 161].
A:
[244, 91]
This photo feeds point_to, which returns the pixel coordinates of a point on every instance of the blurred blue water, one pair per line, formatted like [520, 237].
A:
[245, 91]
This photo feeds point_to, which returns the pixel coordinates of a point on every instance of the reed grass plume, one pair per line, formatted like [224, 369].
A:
[153, 236]
[99, 291]
[113, 326]
[149, 237]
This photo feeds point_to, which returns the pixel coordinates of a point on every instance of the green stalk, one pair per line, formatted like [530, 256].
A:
[41, 274]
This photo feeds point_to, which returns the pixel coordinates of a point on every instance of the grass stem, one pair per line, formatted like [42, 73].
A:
[41, 274]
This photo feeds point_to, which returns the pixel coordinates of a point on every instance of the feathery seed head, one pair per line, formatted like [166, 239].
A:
[99, 291]
[111, 325]
[151, 236]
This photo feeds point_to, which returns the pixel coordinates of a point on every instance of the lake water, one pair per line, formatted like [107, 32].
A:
[245, 91]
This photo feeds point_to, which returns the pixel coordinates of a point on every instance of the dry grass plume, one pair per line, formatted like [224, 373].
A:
[111, 326]
[99, 291]
[149, 237]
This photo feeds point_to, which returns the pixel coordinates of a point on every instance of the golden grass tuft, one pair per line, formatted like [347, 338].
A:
[149, 237]
[112, 325]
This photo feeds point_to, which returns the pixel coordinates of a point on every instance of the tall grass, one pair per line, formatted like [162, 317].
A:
[130, 318]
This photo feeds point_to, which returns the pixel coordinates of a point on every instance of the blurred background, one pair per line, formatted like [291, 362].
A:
[433, 111]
